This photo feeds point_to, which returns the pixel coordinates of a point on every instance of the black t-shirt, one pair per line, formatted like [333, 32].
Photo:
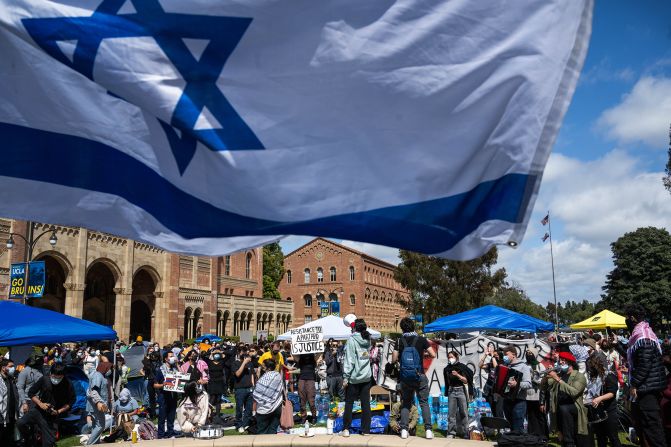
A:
[422, 344]
[610, 385]
[245, 379]
[307, 364]
[56, 395]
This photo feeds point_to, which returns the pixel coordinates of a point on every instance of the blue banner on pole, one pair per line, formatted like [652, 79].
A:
[35, 280]
[335, 308]
[17, 278]
[324, 308]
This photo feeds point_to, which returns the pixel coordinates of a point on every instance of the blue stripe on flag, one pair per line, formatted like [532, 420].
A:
[432, 226]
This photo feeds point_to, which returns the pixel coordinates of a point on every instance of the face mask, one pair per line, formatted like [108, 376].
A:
[452, 360]
[217, 356]
[10, 371]
[124, 401]
[45, 350]
[564, 368]
[97, 352]
[506, 359]
[56, 381]
[172, 360]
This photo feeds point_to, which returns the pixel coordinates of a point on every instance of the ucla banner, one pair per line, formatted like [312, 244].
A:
[207, 127]
[30, 285]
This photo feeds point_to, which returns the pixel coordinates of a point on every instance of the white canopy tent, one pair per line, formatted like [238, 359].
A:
[332, 327]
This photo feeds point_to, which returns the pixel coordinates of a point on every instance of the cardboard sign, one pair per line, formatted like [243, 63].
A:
[308, 340]
[176, 382]
[247, 337]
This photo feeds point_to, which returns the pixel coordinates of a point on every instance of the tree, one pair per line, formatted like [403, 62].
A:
[642, 273]
[513, 297]
[273, 270]
[441, 286]
[571, 312]
[667, 178]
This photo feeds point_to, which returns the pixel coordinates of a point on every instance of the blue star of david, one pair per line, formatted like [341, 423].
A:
[168, 29]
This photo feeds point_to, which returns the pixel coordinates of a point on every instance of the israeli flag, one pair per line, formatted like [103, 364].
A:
[205, 127]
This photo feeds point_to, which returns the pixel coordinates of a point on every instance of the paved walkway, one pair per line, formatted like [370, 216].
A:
[315, 441]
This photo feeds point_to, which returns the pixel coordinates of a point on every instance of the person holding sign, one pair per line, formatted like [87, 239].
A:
[357, 376]
[167, 400]
[243, 383]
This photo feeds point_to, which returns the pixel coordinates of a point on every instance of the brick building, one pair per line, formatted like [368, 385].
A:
[139, 289]
[322, 270]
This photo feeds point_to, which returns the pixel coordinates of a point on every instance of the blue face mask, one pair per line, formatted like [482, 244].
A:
[506, 359]
[564, 368]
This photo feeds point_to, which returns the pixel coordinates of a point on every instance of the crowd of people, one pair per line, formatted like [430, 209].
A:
[573, 391]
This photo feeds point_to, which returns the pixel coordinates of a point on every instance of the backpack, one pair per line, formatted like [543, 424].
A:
[147, 430]
[411, 363]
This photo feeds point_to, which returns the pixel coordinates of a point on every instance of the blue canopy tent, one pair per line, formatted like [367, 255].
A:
[488, 318]
[26, 325]
[212, 337]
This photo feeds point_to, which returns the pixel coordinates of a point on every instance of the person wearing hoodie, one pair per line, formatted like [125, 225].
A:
[98, 399]
[515, 405]
[357, 377]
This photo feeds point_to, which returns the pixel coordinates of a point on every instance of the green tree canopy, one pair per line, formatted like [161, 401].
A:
[443, 287]
[571, 312]
[273, 270]
[642, 273]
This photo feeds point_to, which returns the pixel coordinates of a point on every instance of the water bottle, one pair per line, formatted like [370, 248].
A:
[329, 426]
[307, 427]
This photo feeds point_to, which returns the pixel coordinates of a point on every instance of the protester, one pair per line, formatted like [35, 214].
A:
[195, 367]
[10, 402]
[194, 409]
[167, 400]
[600, 396]
[515, 403]
[126, 410]
[306, 385]
[150, 362]
[458, 387]
[31, 373]
[216, 385]
[357, 377]
[98, 400]
[52, 396]
[91, 361]
[333, 357]
[413, 349]
[536, 423]
[243, 383]
[395, 419]
[275, 355]
[488, 363]
[568, 414]
[646, 376]
[268, 396]
[205, 345]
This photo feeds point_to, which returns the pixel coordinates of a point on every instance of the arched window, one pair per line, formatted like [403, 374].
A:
[320, 275]
[248, 266]
[227, 265]
[351, 273]
[288, 276]
[308, 300]
[333, 273]
[352, 300]
[307, 276]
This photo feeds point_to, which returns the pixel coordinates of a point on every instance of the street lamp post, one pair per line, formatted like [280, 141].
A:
[30, 243]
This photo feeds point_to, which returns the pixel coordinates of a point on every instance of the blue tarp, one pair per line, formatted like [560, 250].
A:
[27, 325]
[213, 338]
[488, 318]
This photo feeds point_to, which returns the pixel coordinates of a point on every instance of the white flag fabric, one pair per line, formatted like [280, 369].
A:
[205, 127]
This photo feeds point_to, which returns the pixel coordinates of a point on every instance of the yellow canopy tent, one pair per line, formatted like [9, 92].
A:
[602, 320]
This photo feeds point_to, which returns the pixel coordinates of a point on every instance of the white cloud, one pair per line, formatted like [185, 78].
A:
[643, 115]
[378, 251]
[592, 204]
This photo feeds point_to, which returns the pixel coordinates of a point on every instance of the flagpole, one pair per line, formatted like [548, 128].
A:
[554, 288]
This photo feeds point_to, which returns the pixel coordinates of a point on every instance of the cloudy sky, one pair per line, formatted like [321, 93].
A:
[604, 176]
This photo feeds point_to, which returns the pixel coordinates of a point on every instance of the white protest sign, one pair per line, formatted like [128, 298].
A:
[176, 382]
[307, 340]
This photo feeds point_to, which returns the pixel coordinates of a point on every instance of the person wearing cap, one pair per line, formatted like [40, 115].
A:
[568, 415]
[138, 341]
[515, 405]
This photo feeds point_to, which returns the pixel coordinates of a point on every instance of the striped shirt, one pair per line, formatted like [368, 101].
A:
[269, 392]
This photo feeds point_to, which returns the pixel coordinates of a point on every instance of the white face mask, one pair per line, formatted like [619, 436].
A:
[172, 360]
[56, 380]
[452, 360]
[10, 371]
